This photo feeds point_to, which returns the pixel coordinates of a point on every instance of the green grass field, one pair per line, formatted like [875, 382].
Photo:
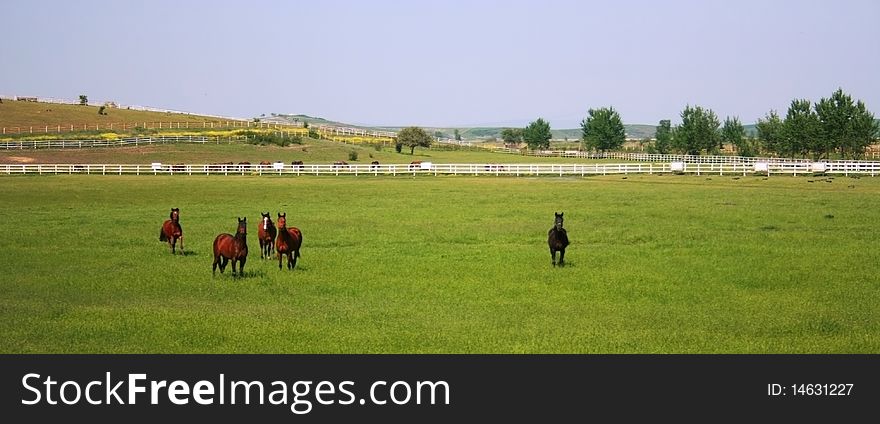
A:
[658, 264]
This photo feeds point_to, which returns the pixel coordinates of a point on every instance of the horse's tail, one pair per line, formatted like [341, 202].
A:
[162, 236]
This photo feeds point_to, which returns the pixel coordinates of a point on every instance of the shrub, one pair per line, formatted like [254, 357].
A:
[353, 155]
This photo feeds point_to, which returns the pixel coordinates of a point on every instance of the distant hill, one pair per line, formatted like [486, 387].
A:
[633, 131]
[26, 114]
[472, 133]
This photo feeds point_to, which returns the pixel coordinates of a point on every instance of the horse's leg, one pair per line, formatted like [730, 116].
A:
[562, 257]
[241, 266]
[223, 263]
[233, 266]
[553, 256]
[214, 266]
[295, 256]
[279, 259]
[181, 244]
[173, 243]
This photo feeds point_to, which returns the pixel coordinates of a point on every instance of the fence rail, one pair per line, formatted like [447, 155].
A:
[126, 126]
[653, 157]
[864, 168]
[130, 141]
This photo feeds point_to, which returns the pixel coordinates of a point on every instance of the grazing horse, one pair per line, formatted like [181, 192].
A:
[297, 164]
[227, 246]
[414, 165]
[171, 230]
[288, 242]
[557, 238]
[374, 164]
[266, 235]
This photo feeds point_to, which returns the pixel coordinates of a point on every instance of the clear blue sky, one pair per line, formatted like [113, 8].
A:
[444, 63]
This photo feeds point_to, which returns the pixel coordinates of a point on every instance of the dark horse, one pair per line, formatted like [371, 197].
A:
[288, 242]
[227, 246]
[266, 235]
[171, 230]
[557, 239]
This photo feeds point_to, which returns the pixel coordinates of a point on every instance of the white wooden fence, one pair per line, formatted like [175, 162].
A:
[652, 157]
[128, 141]
[763, 168]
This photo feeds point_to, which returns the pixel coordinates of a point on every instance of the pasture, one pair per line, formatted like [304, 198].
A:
[657, 264]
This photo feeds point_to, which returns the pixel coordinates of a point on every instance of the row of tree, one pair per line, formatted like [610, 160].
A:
[834, 124]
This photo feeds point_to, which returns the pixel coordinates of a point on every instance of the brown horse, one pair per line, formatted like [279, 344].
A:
[288, 242]
[557, 239]
[266, 235]
[227, 246]
[171, 230]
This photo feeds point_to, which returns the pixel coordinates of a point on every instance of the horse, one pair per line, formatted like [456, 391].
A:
[557, 239]
[266, 234]
[297, 164]
[340, 164]
[414, 165]
[227, 246]
[374, 164]
[171, 230]
[288, 242]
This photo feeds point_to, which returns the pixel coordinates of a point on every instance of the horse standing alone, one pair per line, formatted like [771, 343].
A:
[228, 247]
[171, 230]
[557, 239]
[288, 242]
[266, 234]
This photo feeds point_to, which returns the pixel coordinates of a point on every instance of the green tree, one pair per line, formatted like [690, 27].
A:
[413, 137]
[698, 131]
[771, 132]
[512, 135]
[732, 132]
[663, 137]
[602, 130]
[457, 135]
[83, 100]
[846, 126]
[537, 134]
[801, 130]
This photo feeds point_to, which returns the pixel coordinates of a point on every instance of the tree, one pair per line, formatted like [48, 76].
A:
[698, 131]
[663, 137]
[512, 136]
[847, 127]
[801, 130]
[101, 110]
[771, 132]
[602, 130]
[413, 137]
[457, 135]
[537, 134]
[733, 133]
[83, 100]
